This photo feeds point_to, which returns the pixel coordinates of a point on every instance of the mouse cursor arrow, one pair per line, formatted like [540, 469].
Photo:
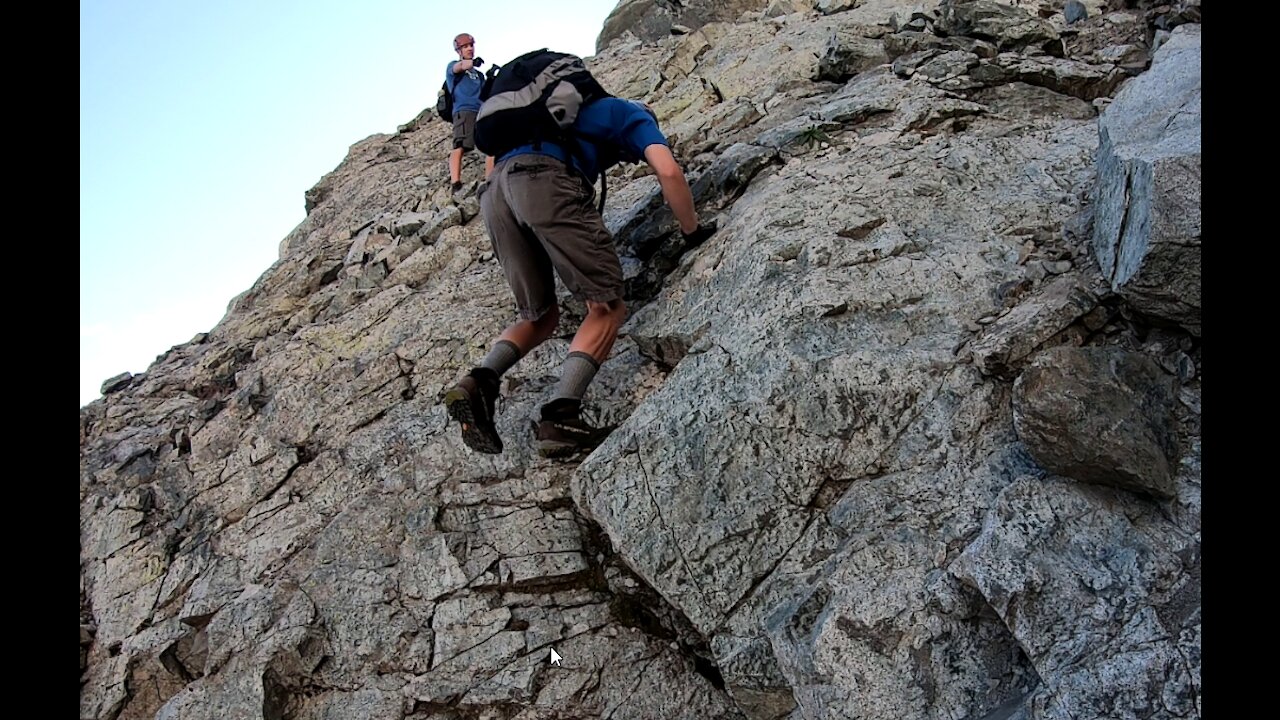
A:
[555, 658]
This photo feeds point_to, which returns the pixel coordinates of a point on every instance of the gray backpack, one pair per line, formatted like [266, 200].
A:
[534, 98]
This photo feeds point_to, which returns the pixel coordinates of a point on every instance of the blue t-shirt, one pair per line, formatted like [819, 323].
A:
[623, 129]
[465, 87]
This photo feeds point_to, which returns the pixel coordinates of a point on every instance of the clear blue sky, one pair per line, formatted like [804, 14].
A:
[203, 123]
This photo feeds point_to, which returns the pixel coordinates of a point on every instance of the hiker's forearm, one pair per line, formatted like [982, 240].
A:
[675, 188]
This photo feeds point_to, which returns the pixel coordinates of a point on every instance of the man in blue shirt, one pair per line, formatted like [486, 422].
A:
[538, 207]
[464, 81]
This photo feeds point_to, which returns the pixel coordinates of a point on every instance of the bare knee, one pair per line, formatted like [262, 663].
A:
[613, 312]
[543, 327]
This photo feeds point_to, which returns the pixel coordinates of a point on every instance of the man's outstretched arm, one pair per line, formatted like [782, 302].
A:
[675, 188]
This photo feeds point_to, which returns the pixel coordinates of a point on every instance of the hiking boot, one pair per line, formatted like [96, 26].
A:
[456, 187]
[470, 402]
[562, 430]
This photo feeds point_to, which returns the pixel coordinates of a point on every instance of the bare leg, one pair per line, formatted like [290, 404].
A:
[529, 334]
[599, 330]
[562, 430]
[455, 165]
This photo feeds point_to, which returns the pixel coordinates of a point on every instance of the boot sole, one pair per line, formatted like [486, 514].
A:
[458, 403]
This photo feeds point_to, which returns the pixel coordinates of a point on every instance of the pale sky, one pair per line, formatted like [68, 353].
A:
[203, 123]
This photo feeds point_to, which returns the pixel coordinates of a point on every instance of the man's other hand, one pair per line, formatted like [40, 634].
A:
[699, 236]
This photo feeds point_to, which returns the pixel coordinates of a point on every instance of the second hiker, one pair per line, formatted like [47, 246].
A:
[464, 81]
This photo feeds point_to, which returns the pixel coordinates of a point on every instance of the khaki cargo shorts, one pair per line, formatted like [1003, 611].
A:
[540, 217]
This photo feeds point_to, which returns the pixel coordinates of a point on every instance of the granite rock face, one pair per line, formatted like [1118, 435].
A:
[904, 438]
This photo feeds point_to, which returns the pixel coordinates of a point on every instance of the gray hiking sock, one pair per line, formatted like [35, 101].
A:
[575, 375]
[501, 357]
